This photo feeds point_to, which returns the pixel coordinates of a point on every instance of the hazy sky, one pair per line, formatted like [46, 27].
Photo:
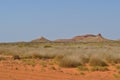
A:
[24, 20]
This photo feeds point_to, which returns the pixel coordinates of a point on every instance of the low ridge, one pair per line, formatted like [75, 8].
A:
[85, 38]
[89, 38]
[82, 38]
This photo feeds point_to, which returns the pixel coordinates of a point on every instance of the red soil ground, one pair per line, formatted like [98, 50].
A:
[17, 70]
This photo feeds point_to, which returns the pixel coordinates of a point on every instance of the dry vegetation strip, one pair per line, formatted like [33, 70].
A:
[84, 57]
[66, 55]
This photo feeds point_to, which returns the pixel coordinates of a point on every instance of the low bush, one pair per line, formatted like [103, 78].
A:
[15, 57]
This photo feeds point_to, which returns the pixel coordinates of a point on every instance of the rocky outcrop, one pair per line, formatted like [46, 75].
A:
[42, 39]
[85, 38]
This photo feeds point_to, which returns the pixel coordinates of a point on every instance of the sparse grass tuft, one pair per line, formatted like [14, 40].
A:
[43, 64]
[53, 68]
[118, 67]
[82, 68]
[82, 73]
[2, 58]
[47, 46]
[30, 62]
[36, 56]
[116, 75]
[99, 68]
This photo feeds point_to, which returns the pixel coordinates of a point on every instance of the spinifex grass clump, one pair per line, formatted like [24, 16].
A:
[15, 57]
[97, 61]
[84, 59]
[70, 61]
[113, 58]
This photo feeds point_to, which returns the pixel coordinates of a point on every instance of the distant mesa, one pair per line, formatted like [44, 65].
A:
[82, 38]
[41, 39]
[118, 40]
[89, 38]
[64, 40]
[85, 38]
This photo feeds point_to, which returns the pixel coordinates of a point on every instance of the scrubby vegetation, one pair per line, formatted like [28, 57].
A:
[99, 68]
[66, 54]
[82, 68]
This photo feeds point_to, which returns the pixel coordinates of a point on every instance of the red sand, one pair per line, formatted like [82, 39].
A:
[16, 70]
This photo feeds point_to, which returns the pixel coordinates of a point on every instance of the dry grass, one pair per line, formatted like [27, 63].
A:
[70, 61]
[99, 68]
[97, 61]
[66, 54]
[82, 68]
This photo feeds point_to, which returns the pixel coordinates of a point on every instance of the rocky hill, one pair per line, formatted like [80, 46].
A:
[42, 39]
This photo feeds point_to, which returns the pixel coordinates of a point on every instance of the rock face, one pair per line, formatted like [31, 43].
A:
[42, 39]
[89, 38]
[63, 40]
[84, 38]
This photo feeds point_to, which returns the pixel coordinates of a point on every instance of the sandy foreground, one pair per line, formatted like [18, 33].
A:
[17, 70]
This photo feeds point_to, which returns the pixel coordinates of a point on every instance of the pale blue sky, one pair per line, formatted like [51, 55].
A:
[24, 20]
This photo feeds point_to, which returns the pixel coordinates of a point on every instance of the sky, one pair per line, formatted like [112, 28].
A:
[25, 20]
